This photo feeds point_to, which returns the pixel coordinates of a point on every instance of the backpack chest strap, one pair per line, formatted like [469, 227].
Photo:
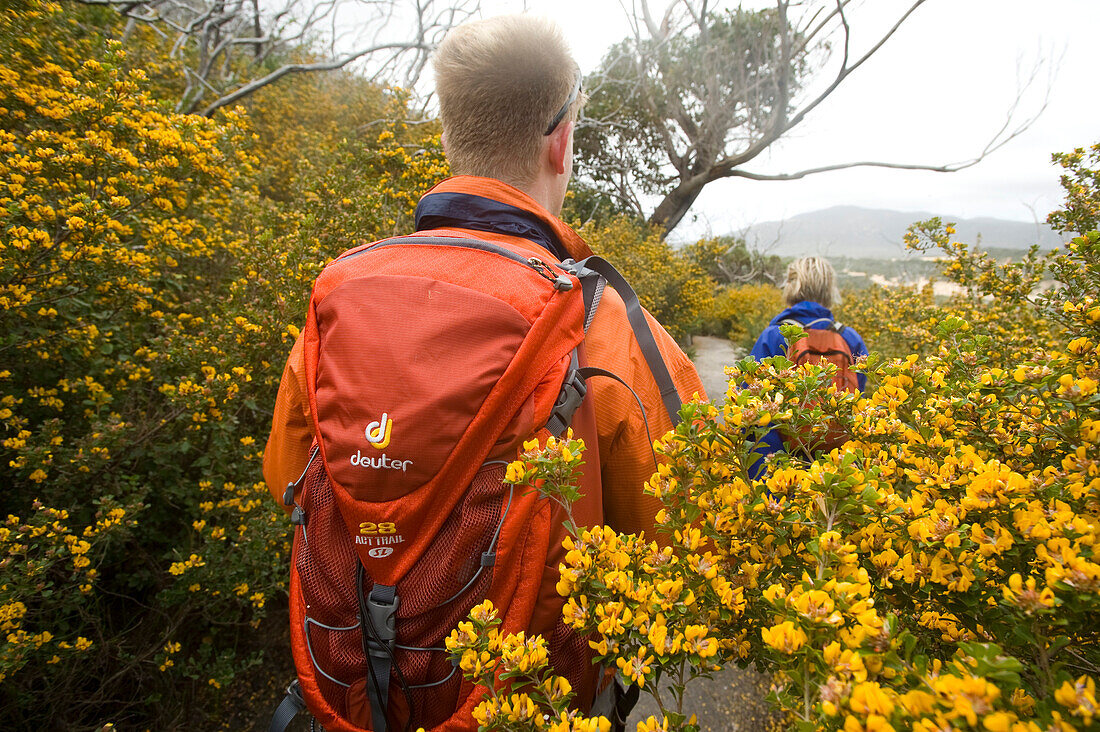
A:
[378, 621]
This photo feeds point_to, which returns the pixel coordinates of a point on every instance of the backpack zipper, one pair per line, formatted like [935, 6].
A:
[559, 281]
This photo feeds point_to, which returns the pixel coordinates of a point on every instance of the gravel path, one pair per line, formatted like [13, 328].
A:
[712, 355]
[732, 701]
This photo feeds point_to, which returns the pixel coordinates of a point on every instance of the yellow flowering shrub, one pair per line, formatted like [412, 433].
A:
[521, 691]
[512, 671]
[670, 284]
[741, 312]
[938, 562]
[42, 555]
[1080, 213]
[298, 123]
[940, 570]
[996, 300]
[148, 295]
[119, 392]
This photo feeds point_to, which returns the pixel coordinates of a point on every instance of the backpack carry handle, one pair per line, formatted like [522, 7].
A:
[833, 325]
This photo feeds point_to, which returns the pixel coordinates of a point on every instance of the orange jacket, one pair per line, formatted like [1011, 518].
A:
[490, 210]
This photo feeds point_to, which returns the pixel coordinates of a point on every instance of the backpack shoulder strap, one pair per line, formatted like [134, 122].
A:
[288, 708]
[595, 268]
[592, 289]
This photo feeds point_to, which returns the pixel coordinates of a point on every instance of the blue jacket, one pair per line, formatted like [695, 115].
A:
[772, 343]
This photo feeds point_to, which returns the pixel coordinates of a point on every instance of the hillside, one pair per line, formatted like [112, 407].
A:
[864, 233]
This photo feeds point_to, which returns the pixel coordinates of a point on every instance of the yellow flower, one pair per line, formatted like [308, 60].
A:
[845, 662]
[870, 698]
[917, 702]
[636, 668]
[523, 655]
[1079, 698]
[650, 724]
[971, 697]
[1025, 596]
[785, 637]
[483, 612]
[1022, 701]
[999, 721]
[872, 723]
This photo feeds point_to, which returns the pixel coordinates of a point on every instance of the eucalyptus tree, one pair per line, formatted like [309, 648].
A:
[697, 93]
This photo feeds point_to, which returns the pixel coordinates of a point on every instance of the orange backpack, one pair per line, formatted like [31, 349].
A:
[428, 361]
[825, 345]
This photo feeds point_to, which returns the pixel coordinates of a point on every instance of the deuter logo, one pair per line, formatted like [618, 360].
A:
[381, 552]
[379, 463]
[378, 433]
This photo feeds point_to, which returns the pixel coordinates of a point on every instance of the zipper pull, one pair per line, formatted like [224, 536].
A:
[560, 281]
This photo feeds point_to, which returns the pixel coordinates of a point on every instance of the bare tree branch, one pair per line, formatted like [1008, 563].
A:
[226, 47]
[282, 71]
[845, 70]
[1005, 134]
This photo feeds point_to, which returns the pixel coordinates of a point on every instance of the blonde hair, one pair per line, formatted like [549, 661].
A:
[500, 82]
[811, 278]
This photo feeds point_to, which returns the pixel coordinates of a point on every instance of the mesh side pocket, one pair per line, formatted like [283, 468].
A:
[326, 564]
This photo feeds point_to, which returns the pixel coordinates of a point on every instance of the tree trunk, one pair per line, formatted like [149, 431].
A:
[676, 204]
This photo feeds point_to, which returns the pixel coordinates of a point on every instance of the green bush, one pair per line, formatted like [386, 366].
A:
[741, 312]
[670, 285]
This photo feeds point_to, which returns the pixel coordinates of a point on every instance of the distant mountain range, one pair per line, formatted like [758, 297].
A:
[866, 233]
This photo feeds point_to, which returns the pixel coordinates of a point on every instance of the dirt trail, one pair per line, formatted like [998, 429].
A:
[732, 701]
[712, 355]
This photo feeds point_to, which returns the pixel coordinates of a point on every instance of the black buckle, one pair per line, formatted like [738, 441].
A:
[569, 400]
[383, 619]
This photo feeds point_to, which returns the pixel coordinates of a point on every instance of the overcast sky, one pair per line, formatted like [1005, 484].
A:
[936, 93]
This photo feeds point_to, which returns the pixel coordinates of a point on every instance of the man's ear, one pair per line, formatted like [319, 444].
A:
[443, 142]
[559, 147]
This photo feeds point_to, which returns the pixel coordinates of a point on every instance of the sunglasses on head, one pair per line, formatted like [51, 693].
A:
[564, 108]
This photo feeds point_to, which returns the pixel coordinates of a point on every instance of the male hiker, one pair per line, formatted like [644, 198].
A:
[509, 94]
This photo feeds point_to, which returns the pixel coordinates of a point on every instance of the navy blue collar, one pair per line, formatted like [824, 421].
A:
[453, 210]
